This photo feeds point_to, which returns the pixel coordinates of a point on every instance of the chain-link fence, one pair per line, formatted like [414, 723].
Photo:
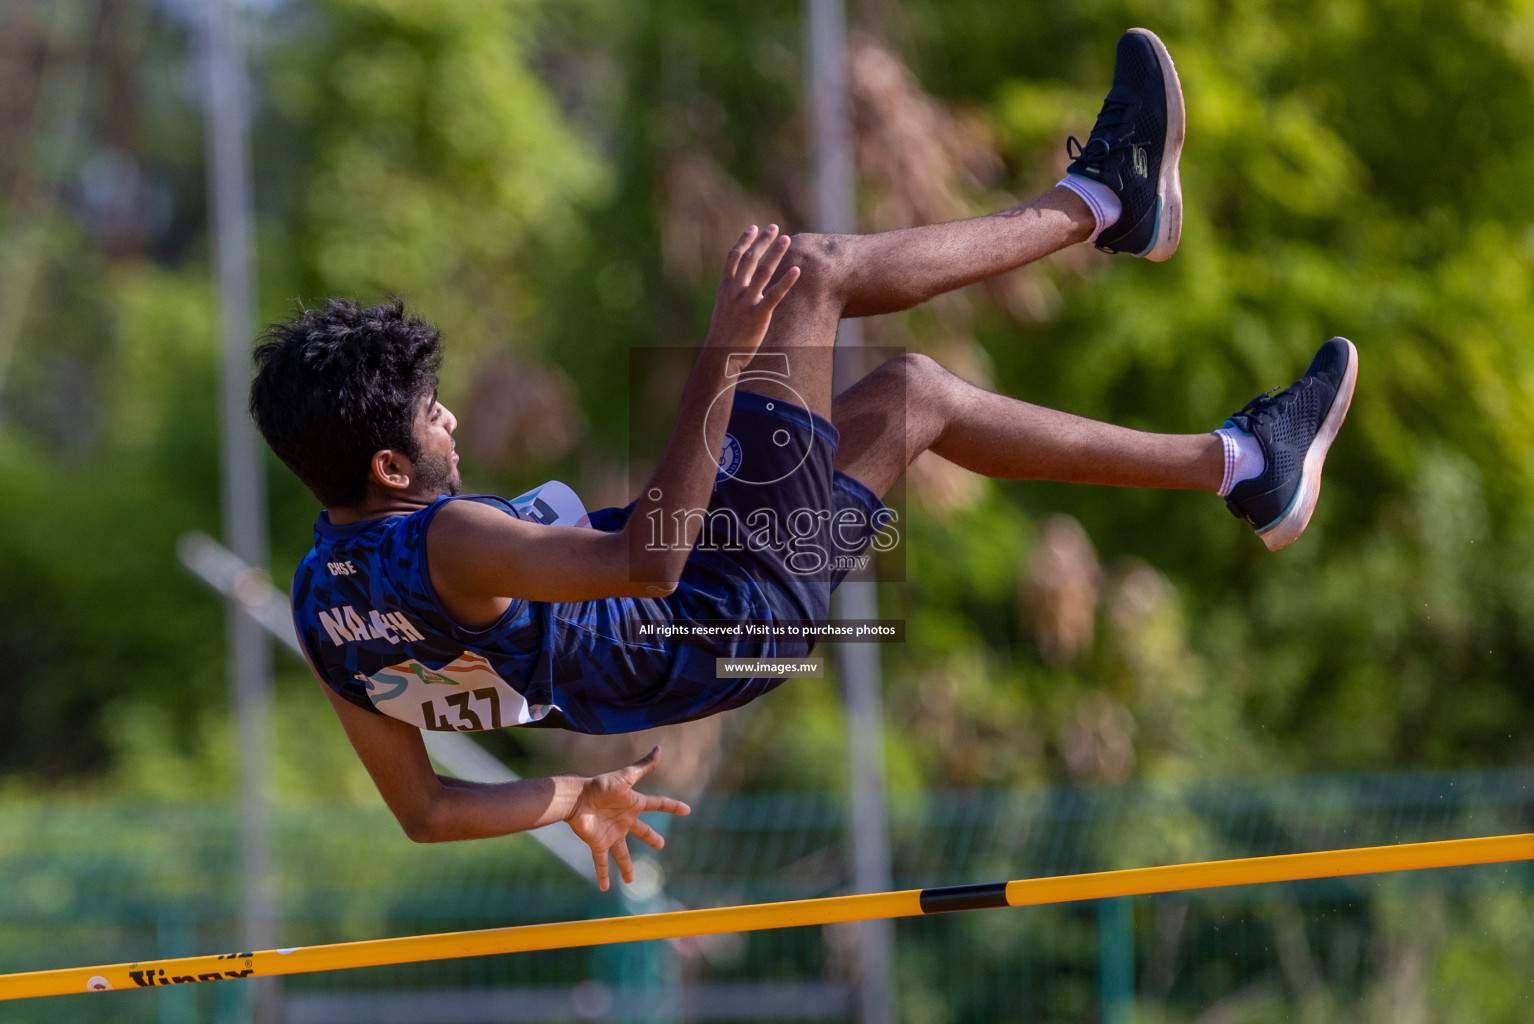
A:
[90, 883]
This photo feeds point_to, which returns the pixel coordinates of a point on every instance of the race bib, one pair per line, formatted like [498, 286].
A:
[465, 695]
[551, 504]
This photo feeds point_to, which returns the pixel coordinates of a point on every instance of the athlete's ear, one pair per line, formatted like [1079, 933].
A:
[391, 470]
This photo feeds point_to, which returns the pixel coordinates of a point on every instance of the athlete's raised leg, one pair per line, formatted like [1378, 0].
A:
[911, 404]
[1266, 459]
[861, 275]
[1122, 192]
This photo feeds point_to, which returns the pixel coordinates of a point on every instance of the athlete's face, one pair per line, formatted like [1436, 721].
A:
[436, 470]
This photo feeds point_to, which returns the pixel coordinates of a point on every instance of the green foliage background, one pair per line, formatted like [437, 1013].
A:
[538, 179]
[1352, 168]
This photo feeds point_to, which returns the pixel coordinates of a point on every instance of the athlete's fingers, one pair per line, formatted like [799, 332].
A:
[774, 295]
[647, 835]
[671, 805]
[732, 259]
[599, 859]
[748, 263]
[769, 264]
[642, 767]
[620, 853]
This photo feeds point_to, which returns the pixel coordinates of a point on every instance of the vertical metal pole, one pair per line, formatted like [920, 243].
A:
[244, 486]
[857, 664]
[1116, 954]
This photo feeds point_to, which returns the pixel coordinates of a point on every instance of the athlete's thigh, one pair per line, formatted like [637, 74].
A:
[877, 438]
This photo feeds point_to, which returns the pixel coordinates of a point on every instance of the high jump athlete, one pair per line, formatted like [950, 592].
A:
[420, 608]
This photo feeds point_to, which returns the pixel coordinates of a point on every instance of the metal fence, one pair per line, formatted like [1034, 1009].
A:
[90, 883]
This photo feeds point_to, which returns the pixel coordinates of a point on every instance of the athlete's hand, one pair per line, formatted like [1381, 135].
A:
[748, 295]
[607, 812]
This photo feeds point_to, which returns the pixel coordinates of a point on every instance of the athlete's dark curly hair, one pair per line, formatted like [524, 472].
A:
[336, 384]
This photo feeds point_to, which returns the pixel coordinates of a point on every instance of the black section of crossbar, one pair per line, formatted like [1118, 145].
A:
[944, 899]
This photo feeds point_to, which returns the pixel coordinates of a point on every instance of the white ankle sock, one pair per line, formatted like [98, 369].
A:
[1104, 204]
[1243, 458]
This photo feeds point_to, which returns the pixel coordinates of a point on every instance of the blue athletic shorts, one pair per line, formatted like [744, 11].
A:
[781, 516]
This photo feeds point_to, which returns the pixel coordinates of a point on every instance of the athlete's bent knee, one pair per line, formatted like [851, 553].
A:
[917, 372]
[917, 368]
[822, 262]
[922, 381]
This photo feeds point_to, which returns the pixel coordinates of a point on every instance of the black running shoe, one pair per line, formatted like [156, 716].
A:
[1295, 427]
[1134, 147]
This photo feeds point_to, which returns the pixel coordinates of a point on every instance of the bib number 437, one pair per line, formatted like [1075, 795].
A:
[455, 712]
[465, 695]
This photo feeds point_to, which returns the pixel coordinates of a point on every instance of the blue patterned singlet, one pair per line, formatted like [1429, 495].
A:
[371, 624]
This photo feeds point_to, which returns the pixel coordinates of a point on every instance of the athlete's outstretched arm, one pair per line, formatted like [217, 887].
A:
[602, 809]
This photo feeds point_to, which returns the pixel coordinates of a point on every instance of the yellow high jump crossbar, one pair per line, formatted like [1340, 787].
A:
[827, 910]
